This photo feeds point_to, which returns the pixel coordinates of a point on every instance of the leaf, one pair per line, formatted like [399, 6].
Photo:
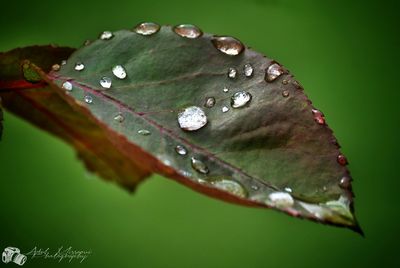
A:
[212, 114]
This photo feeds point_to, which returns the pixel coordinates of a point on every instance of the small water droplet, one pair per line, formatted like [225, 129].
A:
[285, 93]
[288, 189]
[225, 89]
[144, 132]
[67, 85]
[119, 71]
[281, 199]
[232, 73]
[228, 45]
[225, 109]
[106, 35]
[79, 66]
[147, 28]
[199, 166]
[88, 99]
[255, 187]
[230, 186]
[273, 72]
[248, 70]
[345, 182]
[105, 82]
[285, 81]
[210, 102]
[240, 99]
[192, 118]
[63, 62]
[181, 150]
[342, 160]
[119, 118]
[318, 116]
[55, 67]
[188, 31]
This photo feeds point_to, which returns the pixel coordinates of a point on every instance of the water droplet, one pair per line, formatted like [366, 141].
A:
[55, 67]
[144, 132]
[87, 42]
[225, 89]
[288, 189]
[67, 85]
[225, 109]
[106, 35]
[273, 72]
[188, 31]
[88, 99]
[180, 150]
[119, 118]
[63, 62]
[232, 73]
[255, 187]
[342, 160]
[230, 186]
[192, 118]
[240, 99]
[79, 66]
[228, 45]
[281, 199]
[285, 81]
[199, 166]
[285, 93]
[210, 102]
[248, 70]
[318, 116]
[147, 28]
[119, 71]
[345, 182]
[105, 82]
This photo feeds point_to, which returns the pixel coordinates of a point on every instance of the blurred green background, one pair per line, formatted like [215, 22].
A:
[343, 52]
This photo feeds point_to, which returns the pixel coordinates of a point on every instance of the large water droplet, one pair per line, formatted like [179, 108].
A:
[79, 66]
[228, 45]
[281, 199]
[119, 71]
[180, 150]
[240, 99]
[105, 82]
[224, 109]
[188, 31]
[106, 35]
[231, 186]
[248, 70]
[232, 73]
[345, 182]
[88, 99]
[67, 85]
[210, 102]
[342, 159]
[318, 116]
[144, 132]
[119, 118]
[199, 166]
[273, 72]
[192, 118]
[147, 28]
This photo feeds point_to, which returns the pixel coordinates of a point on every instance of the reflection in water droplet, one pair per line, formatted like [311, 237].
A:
[228, 45]
[248, 70]
[240, 99]
[181, 150]
[273, 72]
[230, 186]
[144, 132]
[192, 118]
[345, 182]
[119, 118]
[88, 99]
[342, 160]
[55, 67]
[232, 73]
[119, 71]
[188, 31]
[288, 189]
[225, 109]
[225, 89]
[285, 93]
[67, 86]
[210, 102]
[280, 199]
[147, 28]
[105, 82]
[79, 66]
[199, 166]
[106, 35]
[318, 116]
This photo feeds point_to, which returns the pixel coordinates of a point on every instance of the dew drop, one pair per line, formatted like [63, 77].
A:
[255, 187]
[199, 166]
[285, 93]
[147, 28]
[88, 99]
[106, 35]
[119, 71]
[63, 62]
[342, 160]
[144, 132]
[281, 199]
[192, 118]
[345, 182]
[181, 150]
[210, 102]
[228, 45]
[285, 81]
[79, 66]
[240, 99]
[55, 67]
[248, 70]
[318, 116]
[232, 73]
[230, 186]
[225, 109]
[225, 89]
[188, 31]
[273, 72]
[67, 85]
[288, 189]
[105, 82]
[119, 118]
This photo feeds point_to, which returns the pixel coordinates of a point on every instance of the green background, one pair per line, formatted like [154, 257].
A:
[343, 52]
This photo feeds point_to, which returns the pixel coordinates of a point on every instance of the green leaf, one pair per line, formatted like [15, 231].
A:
[212, 114]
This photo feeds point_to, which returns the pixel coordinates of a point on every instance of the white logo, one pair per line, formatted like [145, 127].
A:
[11, 254]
